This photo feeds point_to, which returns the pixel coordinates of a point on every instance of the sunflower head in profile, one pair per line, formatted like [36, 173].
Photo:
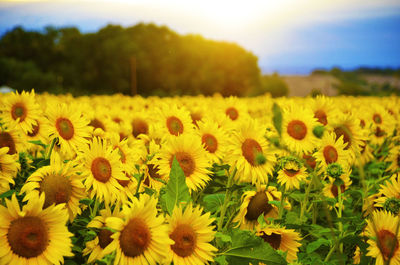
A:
[383, 237]
[255, 203]
[10, 137]
[191, 157]
[281, 238]
[251, 153]
[8, 169]
[323, 108]
[34, 235]
[102, 167]
[141, 236]
[59, 182]
[291, 172]
[21, 110]
[69, 127]
[192, 233]
[297, 129]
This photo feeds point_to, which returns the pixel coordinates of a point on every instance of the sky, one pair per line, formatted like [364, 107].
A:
[288, 36]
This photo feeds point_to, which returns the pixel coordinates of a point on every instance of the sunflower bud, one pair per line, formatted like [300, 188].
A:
[318, 131]
[334, 170]
[392, 205]
[260, 159]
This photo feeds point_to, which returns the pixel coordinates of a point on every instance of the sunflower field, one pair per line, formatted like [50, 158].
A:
[199, 180]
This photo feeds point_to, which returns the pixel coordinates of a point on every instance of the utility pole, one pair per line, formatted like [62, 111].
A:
[133, 76]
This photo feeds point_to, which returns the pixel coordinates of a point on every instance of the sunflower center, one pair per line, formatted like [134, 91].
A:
[274, 239]
[310, 160]
[250, 149]
[18, 110]
[65, 128]
[101, 169]
[377, 118]
[135, 238]
[343, 131]
[117, 120]
[185, 240]
[330, 154]
[97, 124]
[335, 190]
[57, 189]
[28, 236]
[291, 172]
[297, 129]
[196, 116]
[6, 140]
[139, 126]
[321, 116]
[388, 242]
[35, 130]
[104, 238]
[232, 113]
[186, 162]
[258, 205]
[379, 132]
[124, 182]
[174, 125]
[210, 142]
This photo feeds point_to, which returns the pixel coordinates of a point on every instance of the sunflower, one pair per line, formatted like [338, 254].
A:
[37, 134]
[150, 168]
[383, 237]
[365, 155]
[390, 189]
[323, 109]
[128, 157]
[292, 172]
[191, 156]
[255, 203]
[11, 138]
[8, 169]
[142, 123]
[100, 122]
[68, 126]
[250, 153]
[21, 110]
[280, 238]
[33, 235]
[331, 190]
[213, 138]
[173, 121]
[297, 129]
[332, 150]
[60, 183]
[192, 233]
[97, 246]
[141, 237]
[235, 109]
[102, 168]
[394, 159]
[382, 122]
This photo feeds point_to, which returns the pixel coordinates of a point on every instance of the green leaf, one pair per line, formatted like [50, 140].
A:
[221, 260]
[247, 247]
[7, 194]
[224, 237]
[292, 218]
[86, 201]
[38, 142]
[316, 244]
[213, 202]
[261, 220]
[43, 163]
[277, 117]
[297, 196]
[176, 188]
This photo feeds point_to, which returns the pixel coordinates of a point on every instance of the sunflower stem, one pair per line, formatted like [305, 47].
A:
[305, 202]
[340, 216]
[333, 248]
[228, 194]
[281, 206]
[51, 148]
[95, 207]
[140, 182]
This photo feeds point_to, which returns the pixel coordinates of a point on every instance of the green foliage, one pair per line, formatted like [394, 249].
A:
[213, 202]
[177, 191]
[277, 118]
[274, 85]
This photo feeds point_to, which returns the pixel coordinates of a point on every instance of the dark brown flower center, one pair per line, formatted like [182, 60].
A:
[135, 238]
[310, 160]
[97, 124]
[124, 182]
[174, 125]
[105, 238]
[57, 189]
[65, 128]
[210, 142]
[258, 204]
[139, 126]
[388, 243]
[330, 154]
[250, 149]
[379, 132]
[297, 129]
[18, 110]
[186, 162]
[35, 130]
[28, 236]
[6, 140]
[377, 118]
[185, 240]
[291, 172]
[321, 116]
[335, 190]
[232, 113]
[101, 169]
[345, 132]
[274, 239]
